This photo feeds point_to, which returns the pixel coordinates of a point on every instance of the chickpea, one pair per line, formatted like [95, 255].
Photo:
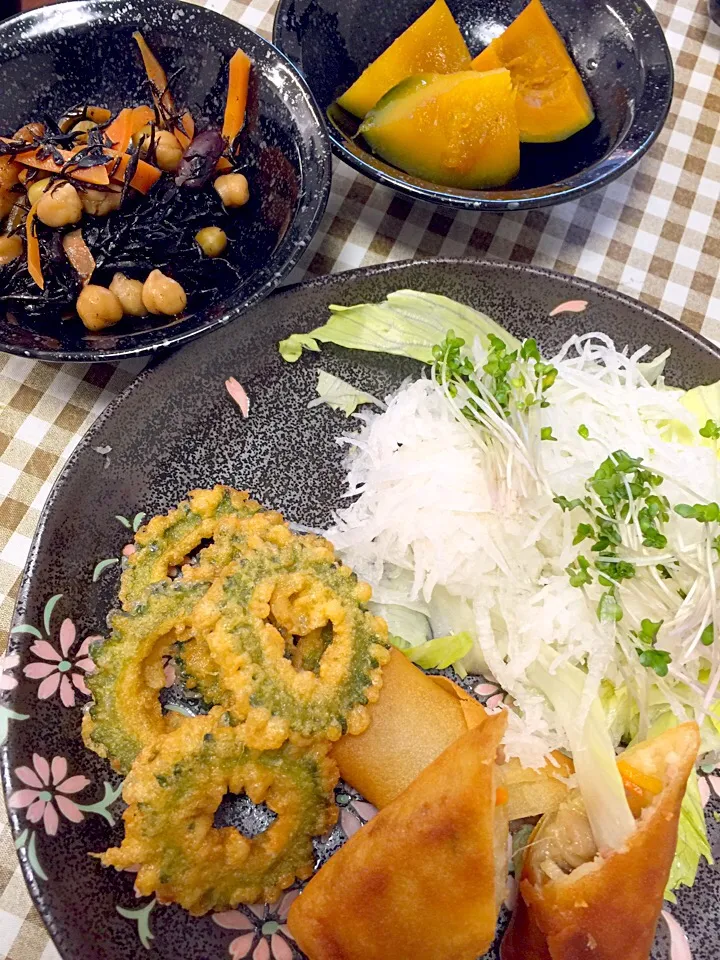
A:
[168, 152]
[99, 203]
[29, 132]
[60, 206]
[162, 294]
[143, 133]
[82, 127]
[232, 188]
[37, 188]
[10, 248]
[129, 293]
[98, 307]
[9, 179]
[212, 241]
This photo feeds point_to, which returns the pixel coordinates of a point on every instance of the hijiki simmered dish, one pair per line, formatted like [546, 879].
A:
[109, 216]
[547, 523]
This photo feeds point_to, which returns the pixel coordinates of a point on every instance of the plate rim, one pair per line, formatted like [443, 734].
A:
[483, 200]
[40, 901]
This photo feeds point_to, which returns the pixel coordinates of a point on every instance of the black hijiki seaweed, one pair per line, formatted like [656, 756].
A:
[155, 231]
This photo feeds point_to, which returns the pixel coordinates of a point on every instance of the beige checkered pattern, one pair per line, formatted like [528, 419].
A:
[653, 234]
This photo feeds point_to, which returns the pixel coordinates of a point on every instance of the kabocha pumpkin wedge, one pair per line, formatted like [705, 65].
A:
[458, 130]
[432, 44]
[552, 102]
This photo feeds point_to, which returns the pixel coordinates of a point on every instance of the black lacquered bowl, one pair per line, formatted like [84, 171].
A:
[617, 45]
[82, 51]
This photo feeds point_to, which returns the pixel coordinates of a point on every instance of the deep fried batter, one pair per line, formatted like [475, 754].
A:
[165, 541]
[173, 791]
[293, 642]
[126, 714]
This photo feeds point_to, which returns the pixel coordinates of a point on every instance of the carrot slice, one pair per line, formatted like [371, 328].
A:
[156, 75]
[643, 780]
[97, 175]
[145, 176]
[119, 131]
[141, 116]
[223, 165]
[33, 249]
[185, 136]
[238, 82]
[78, 253]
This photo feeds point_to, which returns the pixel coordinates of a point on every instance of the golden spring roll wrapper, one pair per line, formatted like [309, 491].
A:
[419, 880]
[609, 908]
[413, 721]
[532, 793]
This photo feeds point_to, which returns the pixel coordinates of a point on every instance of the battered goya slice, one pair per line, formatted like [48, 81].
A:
[293, 642]
[125, 714]
[173, 791]
[167, 540]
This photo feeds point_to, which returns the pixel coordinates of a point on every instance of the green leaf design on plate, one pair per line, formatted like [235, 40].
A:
[101, 806]
[26, 628]
[137, 522]
[123, 520]
[26, 840]
[49, 607]
[142, 917]
[6, 715]
[103, 565]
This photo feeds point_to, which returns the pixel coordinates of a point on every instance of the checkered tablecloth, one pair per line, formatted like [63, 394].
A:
[653, 234]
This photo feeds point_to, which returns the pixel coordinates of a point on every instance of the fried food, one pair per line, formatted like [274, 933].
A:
[277, 612]
[425, 877]
[532, 793]
[577, 903]
[412, 722]
[173, 791]
[165, 541]
[125, 714]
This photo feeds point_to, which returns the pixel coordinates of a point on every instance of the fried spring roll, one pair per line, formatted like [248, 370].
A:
[413, 721]
[425, 878]
[577, 904]
[532, 793]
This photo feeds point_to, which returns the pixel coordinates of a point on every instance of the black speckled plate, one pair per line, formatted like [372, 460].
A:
[82, 51]
[617, 45]
[174, 429]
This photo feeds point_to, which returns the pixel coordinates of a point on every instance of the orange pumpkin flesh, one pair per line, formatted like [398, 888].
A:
[432, 44]
[552, 103]
[458, 130]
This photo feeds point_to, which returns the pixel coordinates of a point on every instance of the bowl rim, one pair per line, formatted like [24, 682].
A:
[322, 175]
[486, 200]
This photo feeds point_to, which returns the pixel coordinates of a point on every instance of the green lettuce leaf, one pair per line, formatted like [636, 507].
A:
[692, 842]
[340, 395]
[435, 654]
[408, 324]
[409, 627]
[704, 404]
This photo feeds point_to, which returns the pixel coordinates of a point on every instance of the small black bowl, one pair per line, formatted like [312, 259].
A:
[618, 46]
[82, 51]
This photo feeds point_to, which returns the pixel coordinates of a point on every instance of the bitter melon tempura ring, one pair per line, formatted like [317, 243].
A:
[126, 714]
[173, 792]
[165, 541]
[293, 642]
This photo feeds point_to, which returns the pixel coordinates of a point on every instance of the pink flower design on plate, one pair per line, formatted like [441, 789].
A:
[8, 662]
[47, 786]
[262, 933]
[355, 814]
[494, 694]
[708, 785]
[61, 669]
